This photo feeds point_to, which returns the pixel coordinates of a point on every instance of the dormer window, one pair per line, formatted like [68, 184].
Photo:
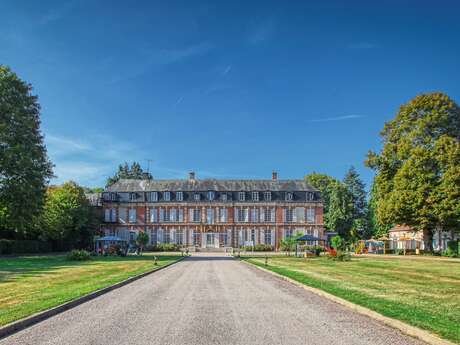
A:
[153, 196]
[255, 196]
[167, 196]
[113, 196]
[241, 196]
[310, 196]
[196, 196]
[224, 197]
[179, 196]
[268, 196]
[289, 196]
[210, 195]
[132, 196]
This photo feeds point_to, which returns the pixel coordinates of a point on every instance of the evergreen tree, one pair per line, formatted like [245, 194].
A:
[127, 172]
[356, 188]
[25, 169]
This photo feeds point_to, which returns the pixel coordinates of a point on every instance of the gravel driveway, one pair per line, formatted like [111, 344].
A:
[209, 300]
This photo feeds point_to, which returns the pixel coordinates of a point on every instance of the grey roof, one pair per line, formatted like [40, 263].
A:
[127, 185]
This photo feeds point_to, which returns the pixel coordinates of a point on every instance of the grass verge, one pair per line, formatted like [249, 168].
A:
[30, 284]
[425, 294]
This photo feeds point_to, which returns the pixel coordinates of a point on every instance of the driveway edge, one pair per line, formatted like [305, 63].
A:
[19, 325]
[412, 331]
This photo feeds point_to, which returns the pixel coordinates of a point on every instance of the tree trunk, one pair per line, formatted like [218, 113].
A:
[428, 240]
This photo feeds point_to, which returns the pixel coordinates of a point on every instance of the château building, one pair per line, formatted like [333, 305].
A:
[212, 213]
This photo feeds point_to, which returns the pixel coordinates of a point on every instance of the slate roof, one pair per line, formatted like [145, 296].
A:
[127, 185]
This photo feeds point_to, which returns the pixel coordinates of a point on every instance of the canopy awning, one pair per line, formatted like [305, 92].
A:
[308, 238]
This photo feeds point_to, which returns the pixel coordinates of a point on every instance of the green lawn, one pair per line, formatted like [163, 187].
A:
[30, 284]
[423, 293]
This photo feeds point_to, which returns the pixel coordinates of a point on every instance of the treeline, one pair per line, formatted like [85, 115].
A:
[33, 215]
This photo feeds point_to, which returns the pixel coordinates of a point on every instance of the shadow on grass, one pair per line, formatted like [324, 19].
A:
[12, 269]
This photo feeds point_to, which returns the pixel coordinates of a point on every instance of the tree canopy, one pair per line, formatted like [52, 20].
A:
[125, 171]
[417, 171]
[25, 169]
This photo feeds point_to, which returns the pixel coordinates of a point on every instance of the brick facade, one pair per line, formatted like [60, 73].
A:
[228, 213]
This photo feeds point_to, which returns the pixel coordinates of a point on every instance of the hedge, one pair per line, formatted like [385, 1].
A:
[24, 247]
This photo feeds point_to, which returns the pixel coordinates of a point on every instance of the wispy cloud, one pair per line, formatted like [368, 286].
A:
[227, 70]
[261, 32]
[147, 59]
[336, 118]
[362, 45]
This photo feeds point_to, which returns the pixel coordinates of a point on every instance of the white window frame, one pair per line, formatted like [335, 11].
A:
[255, 196]
[210, 195]
[154, 196]
[196, 196]
[310, 218]
[180, 215]
[132, 215]
[179, 196]
[167, 196]
[224, 197]
[241, 196]
[268, 196]
[289, 196]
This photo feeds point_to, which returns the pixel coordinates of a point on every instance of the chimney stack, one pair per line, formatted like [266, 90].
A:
[274, 176]
[191, 175]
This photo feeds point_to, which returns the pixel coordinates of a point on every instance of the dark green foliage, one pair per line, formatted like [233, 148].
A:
[127, 172]
[24, 247]
[24, 166]
[78, 255]
[142, 240]
[68, 219]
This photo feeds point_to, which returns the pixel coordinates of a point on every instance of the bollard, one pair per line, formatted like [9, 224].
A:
[155, 260]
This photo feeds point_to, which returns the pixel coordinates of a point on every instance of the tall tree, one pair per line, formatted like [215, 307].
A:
[25, 169]
[375, 227]
[337, 202]
[68, 219]
[356, 188]
[412, 172]
[127, 172]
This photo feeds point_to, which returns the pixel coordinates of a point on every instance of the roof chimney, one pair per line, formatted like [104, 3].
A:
[191, 175]
[274, 176]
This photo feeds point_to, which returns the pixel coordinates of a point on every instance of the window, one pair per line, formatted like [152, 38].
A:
[242, 215]
[153, 196]
[113, 196]
[166, 237]
[210, 195]
[196, 238]
[268, 196]
[153, 215]
[153, 236]
[288, 196]
[180, 217]
[162, 214]
[287, 233]
[255, 215]
[179, 196]
[310, 196]
[195, 215]
[223, 215]
[196, 197]
[267, 236]
[172, 215]
[241, 196]
[122, 215]
[210, 215]
[132, 196]
[269, 215]
[310, 215]
[288, 215]
[113, 215]
[132, 215]
[255, 196]
[299, 215]
[107, 215]
[224, 197]
[179, 237]
[253, 236]
[167, 196]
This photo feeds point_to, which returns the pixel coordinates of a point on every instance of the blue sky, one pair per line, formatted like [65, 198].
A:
[225, 88]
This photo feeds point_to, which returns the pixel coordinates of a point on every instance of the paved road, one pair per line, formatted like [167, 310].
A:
[209, 300]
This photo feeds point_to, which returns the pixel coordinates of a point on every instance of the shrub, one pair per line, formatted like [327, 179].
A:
[454, 246]
[337, 242]
[338, 255]
[259, 248]
[163, 247]
[78, 255]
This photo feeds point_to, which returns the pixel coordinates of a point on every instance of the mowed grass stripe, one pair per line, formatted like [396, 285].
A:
[425, 294]
[31, 284]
